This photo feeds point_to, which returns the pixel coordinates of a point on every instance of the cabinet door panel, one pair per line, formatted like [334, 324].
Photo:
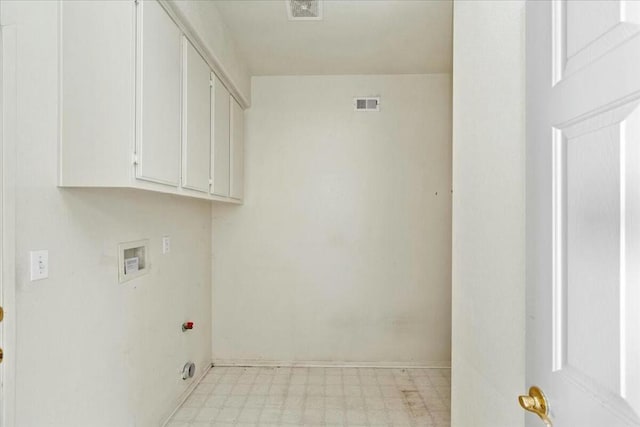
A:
[221, 151]
[97, 102]
[158, 139]
[237, 150]
[196, 140]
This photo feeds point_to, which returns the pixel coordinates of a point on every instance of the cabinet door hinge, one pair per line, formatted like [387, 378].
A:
[135, 159]
[136, 2]
[210, 83]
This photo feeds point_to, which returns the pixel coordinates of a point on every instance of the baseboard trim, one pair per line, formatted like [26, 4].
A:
[325, 364]
[185, 395]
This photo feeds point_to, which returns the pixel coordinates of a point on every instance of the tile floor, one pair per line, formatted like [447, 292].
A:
[318, 397]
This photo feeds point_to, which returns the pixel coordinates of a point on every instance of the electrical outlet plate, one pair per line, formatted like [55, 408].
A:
[166, 244]
[39, 261]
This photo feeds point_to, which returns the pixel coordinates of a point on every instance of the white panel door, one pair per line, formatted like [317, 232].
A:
[237, 150]
[196, 137]
[583, 210]
[158, 85]
[221, 134]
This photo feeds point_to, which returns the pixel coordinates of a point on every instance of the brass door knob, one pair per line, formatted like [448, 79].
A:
[536, 402]
[1, 314]
[1, 355]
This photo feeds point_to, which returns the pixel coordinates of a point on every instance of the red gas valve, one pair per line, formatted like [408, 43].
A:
[186, 326]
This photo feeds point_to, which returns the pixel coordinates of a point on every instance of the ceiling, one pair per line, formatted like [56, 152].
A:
[354, 37]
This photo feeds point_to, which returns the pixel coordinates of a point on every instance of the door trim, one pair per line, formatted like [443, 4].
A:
[8, 39]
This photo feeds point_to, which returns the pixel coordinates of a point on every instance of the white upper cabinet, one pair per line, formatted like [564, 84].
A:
[158, 128]
[140, 106]
[97, 101]
[196, 128]
[237, 150]
[221, 152]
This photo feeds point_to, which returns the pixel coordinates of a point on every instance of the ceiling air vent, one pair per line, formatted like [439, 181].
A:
[304, 10]
[366, 103]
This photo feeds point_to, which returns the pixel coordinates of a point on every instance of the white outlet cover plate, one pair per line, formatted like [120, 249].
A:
[39, 261]
[166, 244]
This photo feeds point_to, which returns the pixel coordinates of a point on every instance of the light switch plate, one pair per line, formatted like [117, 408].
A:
[39, 261]
[166, 244]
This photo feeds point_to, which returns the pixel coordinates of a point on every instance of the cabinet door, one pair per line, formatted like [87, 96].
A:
[237, 150]
[158, 85]
[196, 128]
[221, 152]
[97, 105]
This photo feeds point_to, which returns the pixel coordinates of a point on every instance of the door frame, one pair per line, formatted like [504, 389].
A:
[8, 116]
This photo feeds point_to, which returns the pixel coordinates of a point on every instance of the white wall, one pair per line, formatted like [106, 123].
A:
[488, 214]
[341, 252]
[91, 351]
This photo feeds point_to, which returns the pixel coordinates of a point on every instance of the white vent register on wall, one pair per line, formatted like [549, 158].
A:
[366, 103]
[304, 10]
